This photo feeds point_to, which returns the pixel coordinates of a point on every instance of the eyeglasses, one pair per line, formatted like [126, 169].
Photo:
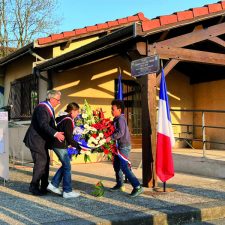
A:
[58, 100]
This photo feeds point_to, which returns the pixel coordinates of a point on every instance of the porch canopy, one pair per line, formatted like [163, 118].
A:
[193, 41]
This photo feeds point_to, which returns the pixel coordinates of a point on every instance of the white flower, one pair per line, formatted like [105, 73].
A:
[95, 141]
[84, 115]
[102, 142]
[86, 126]
[85, 131]
[101, 135]
[91, 139]
[93, 129]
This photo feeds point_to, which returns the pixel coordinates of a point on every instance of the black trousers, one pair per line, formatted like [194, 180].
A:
[41, 169]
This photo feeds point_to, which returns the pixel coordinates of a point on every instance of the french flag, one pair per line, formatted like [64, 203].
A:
[165, 138]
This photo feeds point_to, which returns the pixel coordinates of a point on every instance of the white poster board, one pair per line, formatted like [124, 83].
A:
[4, 146]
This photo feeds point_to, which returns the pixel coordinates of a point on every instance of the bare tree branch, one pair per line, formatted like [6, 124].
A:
[21, 21]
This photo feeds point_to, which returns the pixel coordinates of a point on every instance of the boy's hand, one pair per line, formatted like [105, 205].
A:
[108, 139]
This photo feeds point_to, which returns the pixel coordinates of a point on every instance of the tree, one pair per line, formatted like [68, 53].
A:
[21, 21]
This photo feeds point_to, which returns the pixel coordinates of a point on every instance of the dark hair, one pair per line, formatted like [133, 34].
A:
[119, 104]
[72, 106]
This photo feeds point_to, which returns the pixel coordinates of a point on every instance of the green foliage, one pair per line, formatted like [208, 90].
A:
[109, 156]
[99, 189]
[87, 158]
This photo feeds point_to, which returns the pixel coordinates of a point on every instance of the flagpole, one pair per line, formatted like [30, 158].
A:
[164, 186]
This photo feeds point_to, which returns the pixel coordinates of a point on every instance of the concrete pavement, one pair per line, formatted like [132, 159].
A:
[195, 199]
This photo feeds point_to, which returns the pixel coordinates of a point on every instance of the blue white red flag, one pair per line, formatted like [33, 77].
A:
[165, 137]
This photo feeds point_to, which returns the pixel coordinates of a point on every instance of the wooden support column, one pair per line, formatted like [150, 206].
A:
[148, 92]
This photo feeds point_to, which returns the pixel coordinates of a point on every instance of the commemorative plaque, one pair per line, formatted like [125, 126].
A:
[144, 66]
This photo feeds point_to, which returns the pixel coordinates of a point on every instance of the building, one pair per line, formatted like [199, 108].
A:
[85, 63]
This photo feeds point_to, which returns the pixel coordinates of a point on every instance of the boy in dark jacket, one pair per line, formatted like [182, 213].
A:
[121, 163]
[65, 123]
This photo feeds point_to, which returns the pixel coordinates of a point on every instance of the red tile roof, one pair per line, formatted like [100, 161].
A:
[147, 24]
[183, 15]
[98, 27]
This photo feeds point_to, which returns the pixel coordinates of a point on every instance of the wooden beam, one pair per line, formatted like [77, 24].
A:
[164, 35]
[148, 102]
[166, 52]
[169, 66]
[152, 93]
[195, 36]
[218, 41]
[141, 48]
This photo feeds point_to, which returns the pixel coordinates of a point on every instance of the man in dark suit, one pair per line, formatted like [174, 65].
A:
[39, 138]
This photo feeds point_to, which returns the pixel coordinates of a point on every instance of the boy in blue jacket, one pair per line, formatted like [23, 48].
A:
[121, 163]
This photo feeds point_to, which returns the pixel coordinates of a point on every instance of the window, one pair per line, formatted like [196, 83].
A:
[23, 97]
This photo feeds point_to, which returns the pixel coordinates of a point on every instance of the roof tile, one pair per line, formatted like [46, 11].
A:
[185, 15]
[142, 17]
[200, 11]
[168, 19]
[80, 31]
[91, 28]
[44, 40]
[132, 18]
[150, 24]
[122, 21]
[214, 7]
[223, 4]
[69, 34]
[112, 23]
[56, 36]
[102, 26]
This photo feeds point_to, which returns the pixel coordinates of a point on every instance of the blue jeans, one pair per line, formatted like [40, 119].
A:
[121, 166]
[64, 172]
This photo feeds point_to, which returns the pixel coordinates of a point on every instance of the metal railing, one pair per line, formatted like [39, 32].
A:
[203, 126]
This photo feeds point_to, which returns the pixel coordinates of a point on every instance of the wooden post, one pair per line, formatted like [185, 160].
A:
[148, 95]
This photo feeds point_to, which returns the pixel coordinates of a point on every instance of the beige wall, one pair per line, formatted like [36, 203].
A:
[57, 51]
[94, 82]
[23, 66]
[180, 94]
[210, 96]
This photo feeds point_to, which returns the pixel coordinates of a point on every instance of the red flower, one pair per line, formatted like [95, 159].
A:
[106, 151]
[94, 135]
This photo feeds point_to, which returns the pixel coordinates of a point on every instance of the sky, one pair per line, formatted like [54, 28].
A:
[81, 13]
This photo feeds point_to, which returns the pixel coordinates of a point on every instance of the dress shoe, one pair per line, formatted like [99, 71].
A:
[44, 191]
[35, 191]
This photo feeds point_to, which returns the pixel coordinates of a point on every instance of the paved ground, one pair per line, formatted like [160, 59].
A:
[195, 199]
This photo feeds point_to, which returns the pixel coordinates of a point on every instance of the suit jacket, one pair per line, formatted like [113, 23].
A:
[40, 134]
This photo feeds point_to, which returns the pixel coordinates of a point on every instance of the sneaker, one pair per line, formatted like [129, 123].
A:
[71, 194]
[136, 192]
[54, 189]
[118, 188]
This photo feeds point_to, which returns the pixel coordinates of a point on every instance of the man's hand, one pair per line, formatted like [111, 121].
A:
[60, 136]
